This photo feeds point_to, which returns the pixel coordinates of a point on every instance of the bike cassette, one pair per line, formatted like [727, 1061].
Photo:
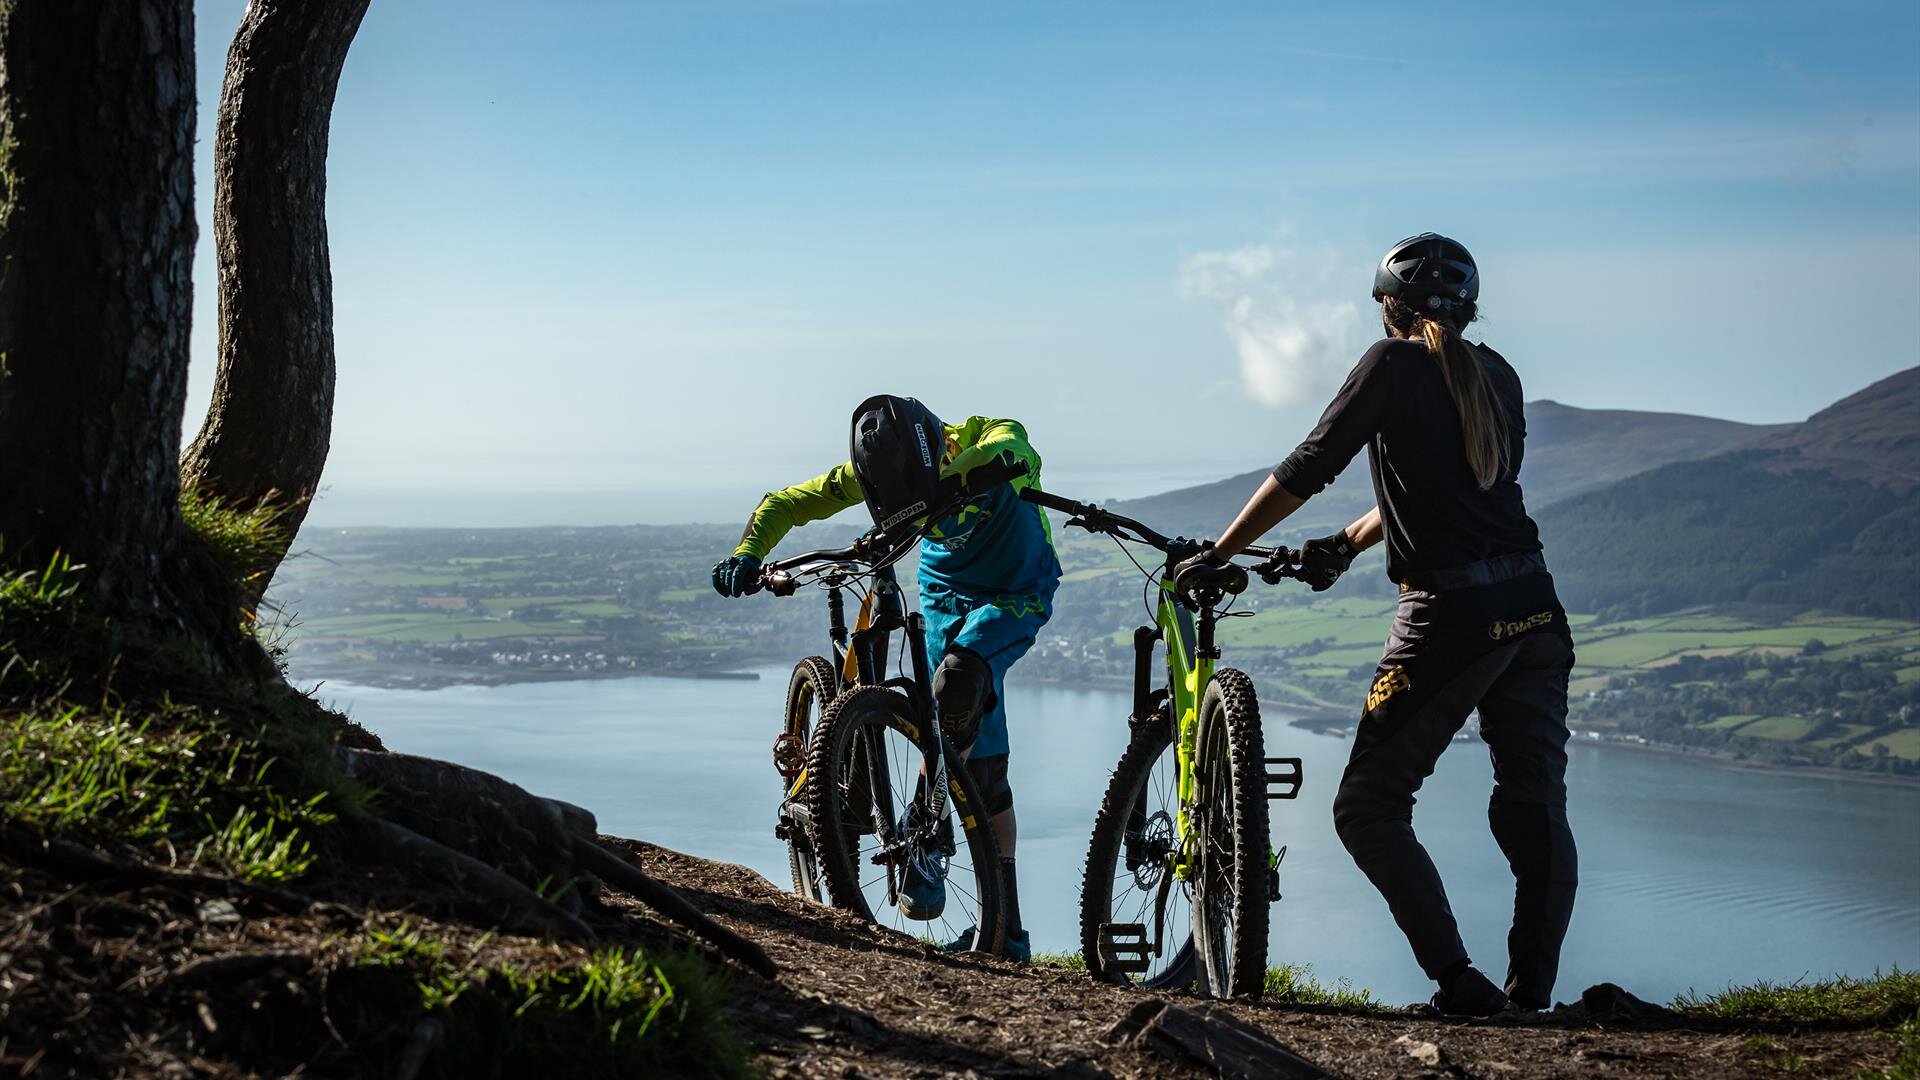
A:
[1124, 949]
[789, 754]
[1283, 777]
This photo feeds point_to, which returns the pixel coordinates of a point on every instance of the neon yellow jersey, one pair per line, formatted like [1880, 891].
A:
[995, 544]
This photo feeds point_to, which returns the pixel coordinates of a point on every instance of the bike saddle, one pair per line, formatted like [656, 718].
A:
[1227, 579]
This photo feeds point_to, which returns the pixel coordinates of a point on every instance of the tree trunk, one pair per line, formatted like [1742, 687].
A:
[266, 435]
[96, 249]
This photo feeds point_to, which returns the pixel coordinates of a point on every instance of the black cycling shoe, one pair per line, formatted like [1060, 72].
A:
[1470, 994]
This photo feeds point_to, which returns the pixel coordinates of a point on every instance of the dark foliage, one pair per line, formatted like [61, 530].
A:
[1727, 530]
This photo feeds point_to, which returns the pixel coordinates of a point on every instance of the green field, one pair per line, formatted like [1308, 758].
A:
[1788, 728]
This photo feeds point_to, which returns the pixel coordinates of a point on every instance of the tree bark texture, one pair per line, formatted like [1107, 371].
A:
[96, 251]
[266, 435]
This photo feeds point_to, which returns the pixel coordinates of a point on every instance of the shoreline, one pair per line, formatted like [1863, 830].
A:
[1313, 717]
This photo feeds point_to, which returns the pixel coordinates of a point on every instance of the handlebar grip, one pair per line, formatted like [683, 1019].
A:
[1052, 502]
[991, 475]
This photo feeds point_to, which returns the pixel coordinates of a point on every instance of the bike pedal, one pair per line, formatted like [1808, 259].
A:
[1124, 948]
[1283, 777]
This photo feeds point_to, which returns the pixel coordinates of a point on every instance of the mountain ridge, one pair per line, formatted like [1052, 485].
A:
[1570, 450]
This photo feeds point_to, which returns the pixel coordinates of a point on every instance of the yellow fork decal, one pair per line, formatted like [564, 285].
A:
[851, 667]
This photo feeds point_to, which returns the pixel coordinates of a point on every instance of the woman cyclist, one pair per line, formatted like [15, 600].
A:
[987, 577]
[1479, 624]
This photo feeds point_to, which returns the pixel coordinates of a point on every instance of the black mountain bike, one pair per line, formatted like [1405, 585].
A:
[1181, 871]
[874, 786]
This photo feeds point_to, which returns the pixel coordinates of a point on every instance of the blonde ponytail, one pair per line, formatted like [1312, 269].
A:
[1483, 420]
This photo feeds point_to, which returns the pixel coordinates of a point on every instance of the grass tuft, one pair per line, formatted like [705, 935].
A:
[1892, 997]
[170, 782]
[624, 1011]
[1294, 984]
[248, 542]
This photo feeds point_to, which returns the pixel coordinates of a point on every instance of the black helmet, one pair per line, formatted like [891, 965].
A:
[1427, 272]
[897, 447]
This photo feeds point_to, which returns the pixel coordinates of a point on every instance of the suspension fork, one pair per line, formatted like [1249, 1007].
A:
[837, 629]
[1146, 710]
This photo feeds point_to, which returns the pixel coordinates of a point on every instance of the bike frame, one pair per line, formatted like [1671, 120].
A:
[1191, 655]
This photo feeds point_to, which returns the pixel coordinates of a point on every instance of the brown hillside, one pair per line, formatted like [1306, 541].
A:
[1873, 435]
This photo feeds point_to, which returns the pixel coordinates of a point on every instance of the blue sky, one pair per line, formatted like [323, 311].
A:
[653, 253]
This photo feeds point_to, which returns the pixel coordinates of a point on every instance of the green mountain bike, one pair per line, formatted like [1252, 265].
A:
[1181, 870]
[873, 786]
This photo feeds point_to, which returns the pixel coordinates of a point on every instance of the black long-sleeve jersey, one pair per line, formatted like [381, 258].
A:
[1395, 403]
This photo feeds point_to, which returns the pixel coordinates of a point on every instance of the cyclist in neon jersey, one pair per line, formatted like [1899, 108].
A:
[987, 577]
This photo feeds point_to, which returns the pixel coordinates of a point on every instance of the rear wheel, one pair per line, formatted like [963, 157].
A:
[1230, 878]
[862, 773]
[809, 692]
[1129, 875]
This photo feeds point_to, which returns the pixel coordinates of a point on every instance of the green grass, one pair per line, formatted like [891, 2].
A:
[1891, 998]
[172, 784]
[616, 1012]
[1902, 744]
[94, 747]
[1294, 984]
[1783, 728]
[248, 542]
[1733, 720]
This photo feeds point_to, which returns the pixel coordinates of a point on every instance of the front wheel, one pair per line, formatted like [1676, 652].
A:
[1129, 881]
[809, 691]
[863, 771]
[1230, 874]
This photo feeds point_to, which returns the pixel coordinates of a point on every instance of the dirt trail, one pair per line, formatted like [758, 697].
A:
[856, 1000]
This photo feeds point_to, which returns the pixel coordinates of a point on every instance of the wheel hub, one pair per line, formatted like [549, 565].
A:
[1149, 858]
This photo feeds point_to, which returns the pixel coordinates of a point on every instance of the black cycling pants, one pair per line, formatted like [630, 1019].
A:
[1506, 654]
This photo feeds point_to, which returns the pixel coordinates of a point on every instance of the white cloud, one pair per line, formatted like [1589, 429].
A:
[1292, 337]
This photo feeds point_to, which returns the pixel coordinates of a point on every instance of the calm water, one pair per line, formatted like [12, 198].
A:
[1691, 876]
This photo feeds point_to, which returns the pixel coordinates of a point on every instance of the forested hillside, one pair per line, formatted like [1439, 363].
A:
[1824, 514]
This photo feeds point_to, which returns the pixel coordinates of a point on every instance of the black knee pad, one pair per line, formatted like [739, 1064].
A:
[990, 776]
[961, 685]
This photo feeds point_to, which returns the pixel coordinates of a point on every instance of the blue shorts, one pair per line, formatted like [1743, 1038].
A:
[999, 628]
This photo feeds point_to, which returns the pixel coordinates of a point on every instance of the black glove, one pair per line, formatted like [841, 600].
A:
[737, 576]
[1323, 561]
[1206, 557]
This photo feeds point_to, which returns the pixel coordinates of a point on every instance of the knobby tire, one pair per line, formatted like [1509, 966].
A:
[836, 798]
[811, 689]
[1232, 821]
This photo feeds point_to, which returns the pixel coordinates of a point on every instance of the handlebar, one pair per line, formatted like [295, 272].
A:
[873, 546]
[1275, 562]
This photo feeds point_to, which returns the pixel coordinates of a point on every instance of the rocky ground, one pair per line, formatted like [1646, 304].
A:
[855, 1000]
[104, 977]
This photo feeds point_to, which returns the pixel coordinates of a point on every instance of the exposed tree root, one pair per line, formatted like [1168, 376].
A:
[525, 909]
[485, 834]
[614, 868]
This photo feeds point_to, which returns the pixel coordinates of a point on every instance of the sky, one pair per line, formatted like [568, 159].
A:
[616, 262]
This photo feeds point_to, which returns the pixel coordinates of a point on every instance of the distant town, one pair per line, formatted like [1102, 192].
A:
[427, 607]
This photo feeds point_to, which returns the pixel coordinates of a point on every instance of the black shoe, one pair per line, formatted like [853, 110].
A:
[1470, 994]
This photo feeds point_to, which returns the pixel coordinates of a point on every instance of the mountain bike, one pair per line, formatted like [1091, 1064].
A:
[1181, 870]
[873, 785]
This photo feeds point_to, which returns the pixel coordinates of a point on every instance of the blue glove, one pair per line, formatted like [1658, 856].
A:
[737, 576]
